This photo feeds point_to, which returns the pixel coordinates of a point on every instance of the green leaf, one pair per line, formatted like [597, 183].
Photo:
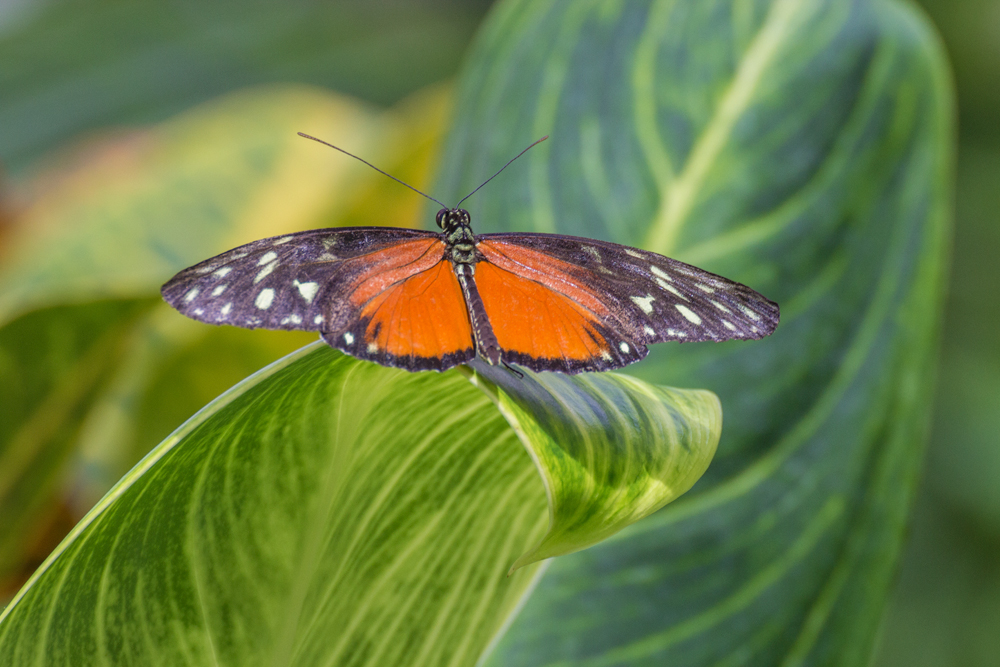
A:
[95, 375]
[227, 173]
[610, 449]
[50, 375]
[169, 368]
[73, 67]
[803, 148]
[332, 511]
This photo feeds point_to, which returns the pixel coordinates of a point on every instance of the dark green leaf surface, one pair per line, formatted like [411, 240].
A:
[329, 511]
[76, 66]
[50, 377]
[802, 148]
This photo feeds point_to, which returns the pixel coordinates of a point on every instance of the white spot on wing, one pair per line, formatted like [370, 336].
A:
[720, 306]
[199, 311]
[623, 346]
[293, 318]
[219, 290]
[633, 253]
[705, 288]
[728, 325]
[318, 319]
[592, 251]
[267, 258]
[372, 348]
[226, 308]
[676, 334]
[670, 288]
[307, 290]
[649, 331]
[223, 272]
[265, 298]
[264, 273]
[605, 355]
[189, 297]
[282, 240]
[657, 271]
[644, 302]
[746, 309]
[688, 314]
[349, 338]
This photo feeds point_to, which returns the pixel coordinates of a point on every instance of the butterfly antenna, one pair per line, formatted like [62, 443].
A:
[501, 169]
[303, 134]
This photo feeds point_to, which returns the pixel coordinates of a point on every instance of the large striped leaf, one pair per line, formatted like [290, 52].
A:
[802, 148]
[329, 511]
[95, 373]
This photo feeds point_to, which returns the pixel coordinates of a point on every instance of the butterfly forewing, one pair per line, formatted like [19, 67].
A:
[648, 298]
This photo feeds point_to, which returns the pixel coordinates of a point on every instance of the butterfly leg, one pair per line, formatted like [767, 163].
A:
[486, 341]
[514, 371]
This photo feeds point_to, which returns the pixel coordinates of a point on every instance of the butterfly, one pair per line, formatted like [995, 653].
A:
[424, 300]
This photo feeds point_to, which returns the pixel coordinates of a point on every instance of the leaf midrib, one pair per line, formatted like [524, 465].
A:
[678, 195]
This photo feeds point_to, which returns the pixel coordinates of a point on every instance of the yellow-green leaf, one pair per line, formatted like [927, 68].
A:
[610, 449]
[95, 374]
[329, 511]
[142, 208]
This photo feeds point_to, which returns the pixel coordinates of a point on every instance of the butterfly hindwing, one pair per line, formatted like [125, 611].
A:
[545, 323]
[419, 322]
[639, 295]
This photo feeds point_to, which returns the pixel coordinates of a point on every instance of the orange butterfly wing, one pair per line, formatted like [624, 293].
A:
[407, 309]
[544, 317]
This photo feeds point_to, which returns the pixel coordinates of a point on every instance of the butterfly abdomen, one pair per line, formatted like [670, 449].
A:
[461, 248]
[487, 345]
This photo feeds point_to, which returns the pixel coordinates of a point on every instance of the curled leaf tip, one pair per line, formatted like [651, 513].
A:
[610, 449]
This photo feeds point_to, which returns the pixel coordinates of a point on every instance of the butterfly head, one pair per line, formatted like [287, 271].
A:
[450, 219]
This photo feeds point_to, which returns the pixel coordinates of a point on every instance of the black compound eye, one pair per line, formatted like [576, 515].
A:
[440, 217]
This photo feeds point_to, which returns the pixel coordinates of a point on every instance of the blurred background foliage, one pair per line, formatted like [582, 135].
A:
[946, 607]
[79, 79]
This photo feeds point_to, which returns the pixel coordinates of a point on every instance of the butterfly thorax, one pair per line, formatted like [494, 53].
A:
[458, 237]
[456, 227]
